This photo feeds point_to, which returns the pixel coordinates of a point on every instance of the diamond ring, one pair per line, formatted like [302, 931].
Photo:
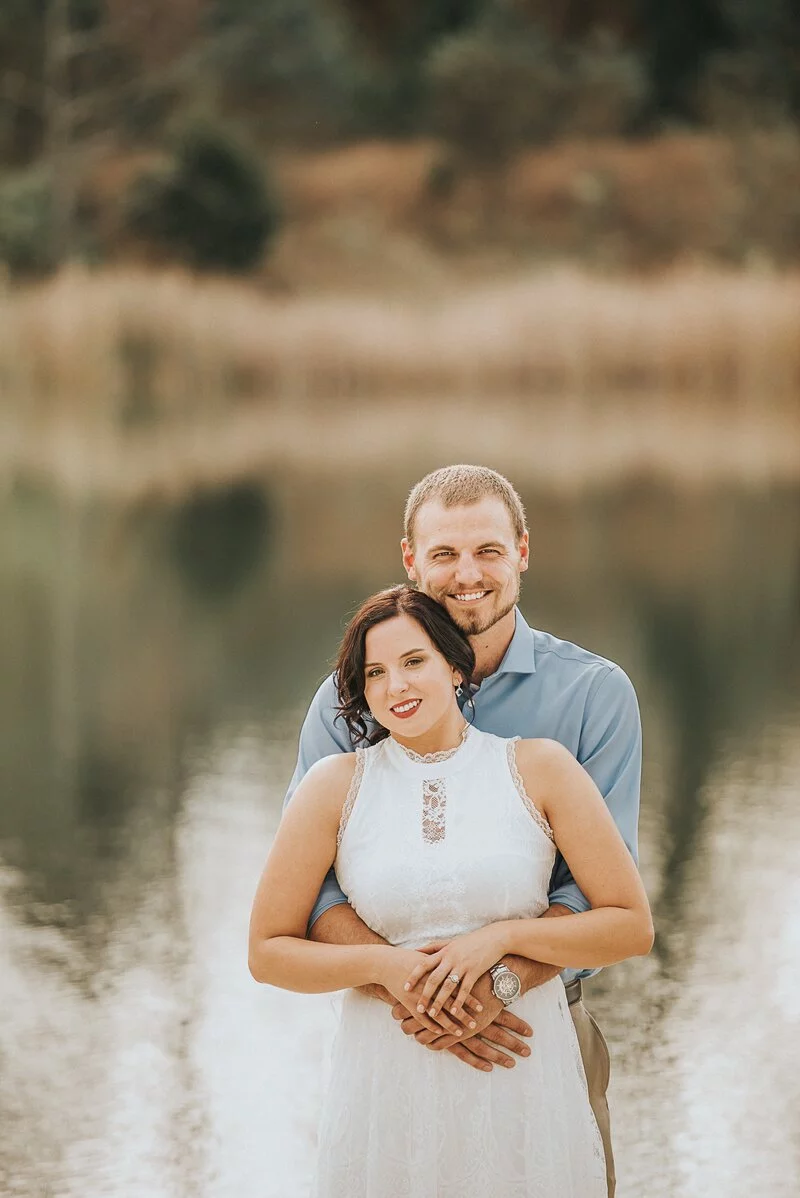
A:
[454, 978]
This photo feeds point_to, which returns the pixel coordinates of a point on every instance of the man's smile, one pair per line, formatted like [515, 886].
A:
[470, 596]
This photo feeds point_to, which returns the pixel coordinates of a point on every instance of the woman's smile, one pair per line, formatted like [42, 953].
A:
[405, 709]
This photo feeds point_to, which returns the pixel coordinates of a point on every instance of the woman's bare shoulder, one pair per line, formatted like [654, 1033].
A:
[325, 786]
[543, 753]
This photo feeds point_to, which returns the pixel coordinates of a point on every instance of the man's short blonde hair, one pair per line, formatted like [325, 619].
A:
[457, 485]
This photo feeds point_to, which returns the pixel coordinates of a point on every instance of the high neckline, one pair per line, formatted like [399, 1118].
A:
[435, 758]
[433, 765]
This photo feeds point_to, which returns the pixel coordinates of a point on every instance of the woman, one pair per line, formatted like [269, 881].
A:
[444, 838]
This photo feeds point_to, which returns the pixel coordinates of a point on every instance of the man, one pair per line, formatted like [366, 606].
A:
[466, 545]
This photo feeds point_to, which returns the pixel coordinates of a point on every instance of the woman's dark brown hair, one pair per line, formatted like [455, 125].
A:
[402, 600]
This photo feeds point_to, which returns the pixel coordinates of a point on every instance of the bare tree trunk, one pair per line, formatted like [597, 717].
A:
[58, 127]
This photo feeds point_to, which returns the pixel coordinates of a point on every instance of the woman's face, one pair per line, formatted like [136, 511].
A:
[407, 683]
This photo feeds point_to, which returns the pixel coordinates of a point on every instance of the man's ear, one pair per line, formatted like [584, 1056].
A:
[408, 559]
[524, 551]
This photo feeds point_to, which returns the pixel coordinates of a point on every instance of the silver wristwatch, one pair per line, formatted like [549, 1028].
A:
[505, 983]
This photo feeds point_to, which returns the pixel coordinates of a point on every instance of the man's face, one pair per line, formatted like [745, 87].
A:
[468, 559]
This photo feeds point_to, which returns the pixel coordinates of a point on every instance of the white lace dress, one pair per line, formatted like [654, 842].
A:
[430, 848]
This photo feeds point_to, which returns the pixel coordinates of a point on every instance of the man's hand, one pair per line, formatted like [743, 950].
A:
[497, 1027]
[481, 1047]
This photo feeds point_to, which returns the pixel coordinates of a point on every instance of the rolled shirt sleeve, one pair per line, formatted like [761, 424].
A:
[321, 735]
[610, 751]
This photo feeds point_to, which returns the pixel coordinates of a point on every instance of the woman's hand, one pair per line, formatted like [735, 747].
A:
[396, 964]
[464, 959]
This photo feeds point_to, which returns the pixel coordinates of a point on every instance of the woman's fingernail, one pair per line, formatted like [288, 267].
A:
[407, 986]
[432, 1011]
[472, 1023]
[480, 1007]
[459, 1032]
[421, 1008]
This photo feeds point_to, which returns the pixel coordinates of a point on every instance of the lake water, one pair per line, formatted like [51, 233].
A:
[155, 665]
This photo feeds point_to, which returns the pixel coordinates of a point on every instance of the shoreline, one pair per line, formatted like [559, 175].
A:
[131, 383]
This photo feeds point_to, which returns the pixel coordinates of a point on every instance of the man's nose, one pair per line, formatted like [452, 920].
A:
[467, 570]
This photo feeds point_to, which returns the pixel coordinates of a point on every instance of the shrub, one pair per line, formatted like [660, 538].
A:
[503, 85]
[26, 222]
[210, 207]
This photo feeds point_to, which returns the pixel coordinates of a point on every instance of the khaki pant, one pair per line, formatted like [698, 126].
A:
[597, 1066]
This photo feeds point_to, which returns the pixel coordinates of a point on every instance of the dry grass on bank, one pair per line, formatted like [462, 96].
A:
[139, 381]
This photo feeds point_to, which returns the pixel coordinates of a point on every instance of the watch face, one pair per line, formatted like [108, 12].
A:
[507, 986]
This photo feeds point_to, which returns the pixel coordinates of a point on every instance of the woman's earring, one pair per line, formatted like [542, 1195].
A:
[459, 691]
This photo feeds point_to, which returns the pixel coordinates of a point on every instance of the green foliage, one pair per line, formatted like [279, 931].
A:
[210, 207]
[506, 84]
[26, 222]
[293, 58]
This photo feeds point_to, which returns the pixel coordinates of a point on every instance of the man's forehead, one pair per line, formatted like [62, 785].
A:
[487, 519]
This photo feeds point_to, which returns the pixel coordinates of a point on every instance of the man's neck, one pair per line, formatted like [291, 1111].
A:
[491, 646]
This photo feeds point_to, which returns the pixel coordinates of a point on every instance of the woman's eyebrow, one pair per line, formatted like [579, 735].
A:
[407, 653]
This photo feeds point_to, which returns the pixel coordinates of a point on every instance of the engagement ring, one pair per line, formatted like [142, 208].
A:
[454, 978]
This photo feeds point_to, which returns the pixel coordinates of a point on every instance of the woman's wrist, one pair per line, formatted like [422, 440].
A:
[379, 958]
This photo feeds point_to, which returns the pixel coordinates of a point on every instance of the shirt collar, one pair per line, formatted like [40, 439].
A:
[520, 657]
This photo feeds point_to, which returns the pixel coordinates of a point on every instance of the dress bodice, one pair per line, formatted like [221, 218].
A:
[432, 848]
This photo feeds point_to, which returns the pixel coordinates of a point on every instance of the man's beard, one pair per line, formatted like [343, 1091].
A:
[473, 623]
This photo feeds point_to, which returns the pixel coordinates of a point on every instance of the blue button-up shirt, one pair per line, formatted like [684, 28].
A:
[543, 687]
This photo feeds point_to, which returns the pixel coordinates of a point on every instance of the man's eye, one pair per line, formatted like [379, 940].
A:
[442, 553]
[492, 551]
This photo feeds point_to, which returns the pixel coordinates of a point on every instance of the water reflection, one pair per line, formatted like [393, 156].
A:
[154, 665]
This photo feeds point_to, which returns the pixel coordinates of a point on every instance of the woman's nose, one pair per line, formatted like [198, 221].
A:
[397, 684]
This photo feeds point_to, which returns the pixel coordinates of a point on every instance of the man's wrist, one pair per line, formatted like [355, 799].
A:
[535, 973]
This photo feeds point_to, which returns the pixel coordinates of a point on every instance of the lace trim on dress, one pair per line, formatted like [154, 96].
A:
[434, 758]
[434, 809]
[533, 810]
[352, 794]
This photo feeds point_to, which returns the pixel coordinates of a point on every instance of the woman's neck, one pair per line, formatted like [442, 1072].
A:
[447, 734]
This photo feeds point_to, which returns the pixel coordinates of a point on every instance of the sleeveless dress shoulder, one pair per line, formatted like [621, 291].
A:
[430, 849]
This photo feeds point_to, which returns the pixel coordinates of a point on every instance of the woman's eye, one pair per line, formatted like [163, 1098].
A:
[414, 661]
[373, 673]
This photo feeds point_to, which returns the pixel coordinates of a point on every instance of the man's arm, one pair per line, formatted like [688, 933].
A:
[322, 735]
[610, 751]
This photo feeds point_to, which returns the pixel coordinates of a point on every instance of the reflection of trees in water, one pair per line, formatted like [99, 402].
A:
[218, 538]
[721, 650]
[108, 656]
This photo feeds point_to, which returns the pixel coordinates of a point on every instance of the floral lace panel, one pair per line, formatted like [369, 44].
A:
[352, 794]
[533, 810]
[434, 808]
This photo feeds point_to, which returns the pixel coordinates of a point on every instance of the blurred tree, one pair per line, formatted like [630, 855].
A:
[506, 83]
[210, 207]
[398, 37]
[26, 222]
[677, 41]
[288, 65]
